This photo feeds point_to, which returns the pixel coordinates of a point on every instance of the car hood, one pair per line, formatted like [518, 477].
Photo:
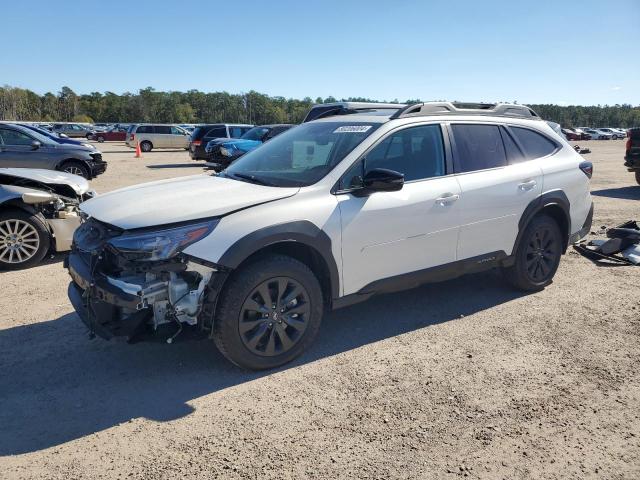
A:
[178, 200]
[244, 145]
[49, 177]
[76, 147]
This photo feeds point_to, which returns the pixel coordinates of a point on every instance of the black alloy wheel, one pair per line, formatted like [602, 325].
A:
[543, 251]
[274, 316]
[537, 255]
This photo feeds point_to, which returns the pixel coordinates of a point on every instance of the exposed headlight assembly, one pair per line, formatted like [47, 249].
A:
[226, 151]
[160, 244]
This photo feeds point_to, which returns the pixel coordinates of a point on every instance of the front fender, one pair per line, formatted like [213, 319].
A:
[303, 232]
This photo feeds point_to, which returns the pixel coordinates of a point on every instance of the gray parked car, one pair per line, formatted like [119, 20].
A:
[38, 214]
[21, 147]
[73, 130]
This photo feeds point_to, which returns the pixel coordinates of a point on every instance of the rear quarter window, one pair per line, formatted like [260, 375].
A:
[535, 144]
[145, 129]
[478, 147]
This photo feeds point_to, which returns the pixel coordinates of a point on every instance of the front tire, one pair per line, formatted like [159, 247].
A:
[268, 313]
[24, 240]
[100, 139]
[537, 255]
[76, 168]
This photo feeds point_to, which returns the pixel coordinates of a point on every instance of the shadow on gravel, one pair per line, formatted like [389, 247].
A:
[625, 193]
[57, 386]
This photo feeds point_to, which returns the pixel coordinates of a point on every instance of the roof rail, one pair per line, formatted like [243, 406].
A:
[323, 110]
[457, 108]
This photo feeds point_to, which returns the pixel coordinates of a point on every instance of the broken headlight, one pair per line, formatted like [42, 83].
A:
[160, 244]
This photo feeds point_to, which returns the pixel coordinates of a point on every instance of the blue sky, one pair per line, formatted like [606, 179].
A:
[566, 52]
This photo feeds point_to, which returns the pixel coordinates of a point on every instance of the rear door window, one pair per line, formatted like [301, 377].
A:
[535, 144]
[237, 132]
[478, 147]
[145, 129]
[162, 129]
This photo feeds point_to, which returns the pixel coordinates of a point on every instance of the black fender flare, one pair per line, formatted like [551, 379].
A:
[303, 232]
[556, 198]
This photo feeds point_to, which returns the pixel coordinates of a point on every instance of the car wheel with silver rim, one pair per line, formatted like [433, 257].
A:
[76, 168]
[24, 240]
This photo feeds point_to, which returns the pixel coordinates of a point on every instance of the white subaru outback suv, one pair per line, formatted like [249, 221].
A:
[360, 199]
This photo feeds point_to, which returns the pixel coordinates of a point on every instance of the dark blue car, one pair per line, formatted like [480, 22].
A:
[225, 152]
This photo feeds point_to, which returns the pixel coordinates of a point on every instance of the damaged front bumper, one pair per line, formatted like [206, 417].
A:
[131, 303]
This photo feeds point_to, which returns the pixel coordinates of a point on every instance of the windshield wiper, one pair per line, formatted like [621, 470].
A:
[250, 178]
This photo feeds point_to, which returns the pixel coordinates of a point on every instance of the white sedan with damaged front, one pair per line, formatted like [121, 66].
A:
[38, 214]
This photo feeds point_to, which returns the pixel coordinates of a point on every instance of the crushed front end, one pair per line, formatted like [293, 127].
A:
[132, 283]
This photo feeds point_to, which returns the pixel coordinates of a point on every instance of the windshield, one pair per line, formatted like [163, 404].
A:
[302, 155]
[255, 133]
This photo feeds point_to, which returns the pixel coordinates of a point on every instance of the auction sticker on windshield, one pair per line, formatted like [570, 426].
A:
[352, 129]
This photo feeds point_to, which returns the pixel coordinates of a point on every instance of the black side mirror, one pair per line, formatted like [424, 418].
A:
[383, 180]
[35, 145]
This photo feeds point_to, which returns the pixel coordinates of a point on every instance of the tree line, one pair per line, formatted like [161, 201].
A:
[149, 105]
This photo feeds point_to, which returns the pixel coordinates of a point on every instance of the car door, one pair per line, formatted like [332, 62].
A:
[497, 184]
[162, 136]
[16, 150]
[179, 137]
[388, 234]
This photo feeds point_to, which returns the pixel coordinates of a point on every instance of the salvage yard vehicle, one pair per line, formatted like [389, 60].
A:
[21, 147]
[73, 130]
[632, 152]
[112, 134]
[570, 134]
[365, 199]
[55, 137]
[223, 153]
[157, 136]
[597, 134]
[203, 134]
[614, 132]
[38, 214]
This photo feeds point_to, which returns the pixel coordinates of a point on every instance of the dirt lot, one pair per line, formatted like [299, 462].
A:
[461, 379]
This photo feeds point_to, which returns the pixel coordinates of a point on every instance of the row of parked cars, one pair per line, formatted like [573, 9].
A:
[584, 133]
[218, 143]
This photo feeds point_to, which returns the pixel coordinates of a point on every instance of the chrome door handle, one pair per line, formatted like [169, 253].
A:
[447, 198]
[527, 185]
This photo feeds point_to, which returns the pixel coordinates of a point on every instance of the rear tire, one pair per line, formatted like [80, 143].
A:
[76, 168]
[537, 255]
[638, 177]
[101, 139]
[146, 146]
[258, 333]
[24, 240]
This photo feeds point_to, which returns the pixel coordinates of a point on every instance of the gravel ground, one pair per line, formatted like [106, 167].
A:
[466, 378]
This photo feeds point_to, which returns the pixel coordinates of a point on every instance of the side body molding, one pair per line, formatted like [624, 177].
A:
[303, 232]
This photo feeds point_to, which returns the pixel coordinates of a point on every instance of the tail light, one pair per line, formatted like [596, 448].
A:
[196, 143]
[628, 145]
[587, 168]
[132, 136]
